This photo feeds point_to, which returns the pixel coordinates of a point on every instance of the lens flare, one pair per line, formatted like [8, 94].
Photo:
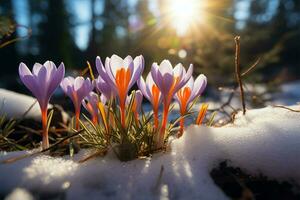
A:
[184, 14]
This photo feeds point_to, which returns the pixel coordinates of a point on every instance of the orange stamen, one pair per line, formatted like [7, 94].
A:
[202, 113]
[122, 82]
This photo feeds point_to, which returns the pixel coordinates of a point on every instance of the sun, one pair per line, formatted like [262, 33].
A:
[184, 14]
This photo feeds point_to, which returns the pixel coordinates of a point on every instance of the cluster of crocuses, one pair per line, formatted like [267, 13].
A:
[116, 78]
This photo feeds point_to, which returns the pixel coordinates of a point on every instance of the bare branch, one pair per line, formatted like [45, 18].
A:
[238, 71]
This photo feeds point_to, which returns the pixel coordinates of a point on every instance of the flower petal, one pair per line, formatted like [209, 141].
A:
[78, 83]
[166, 82]
[66, 83]
[36, 68]
[103, 87]
[154, 75]
[189, 72]
[99, 66]
[199, 85]
[165, 67]
[23, 70]
[137, 70]
[116, 63]
[103, 73]
[128, 63]
[142, 86]
[41, 80]
[56, 79]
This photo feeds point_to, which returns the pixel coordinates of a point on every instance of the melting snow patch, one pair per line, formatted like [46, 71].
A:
[264, 141]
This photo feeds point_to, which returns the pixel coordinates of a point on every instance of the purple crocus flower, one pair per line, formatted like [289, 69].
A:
[169, 80]
[90, 103]
[121, 75]
[152, 93]
[188, 93]
[77, 89]
[42, 82]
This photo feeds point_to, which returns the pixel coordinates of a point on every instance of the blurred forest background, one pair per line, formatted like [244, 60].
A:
[188, 31]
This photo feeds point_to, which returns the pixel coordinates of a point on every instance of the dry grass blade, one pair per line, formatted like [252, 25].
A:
[14, 159]
[287, 108]
[251, 68]
[90, 69]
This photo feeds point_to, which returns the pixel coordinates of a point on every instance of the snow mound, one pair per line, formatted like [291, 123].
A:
[19, 194]
[15, 105]
[264, 141]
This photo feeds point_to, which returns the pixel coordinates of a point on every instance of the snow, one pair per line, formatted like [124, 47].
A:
[19, 194]
[289, 93]
[14, 105]
[264, 141]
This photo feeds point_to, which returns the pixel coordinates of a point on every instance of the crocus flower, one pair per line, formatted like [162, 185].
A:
[137, 103]
[104, 88]
[188, 93]
[90, 103]
[121, 74]
[77, 89]
[169, 80]
[42, 82]
[152, 93]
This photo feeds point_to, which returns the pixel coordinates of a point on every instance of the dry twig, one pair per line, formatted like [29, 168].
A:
[238, 71]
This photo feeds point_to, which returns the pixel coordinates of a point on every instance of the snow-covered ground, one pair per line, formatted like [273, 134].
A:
[264, 141]
[289, 95]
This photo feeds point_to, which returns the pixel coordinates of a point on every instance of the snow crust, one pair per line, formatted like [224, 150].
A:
[265, 141]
